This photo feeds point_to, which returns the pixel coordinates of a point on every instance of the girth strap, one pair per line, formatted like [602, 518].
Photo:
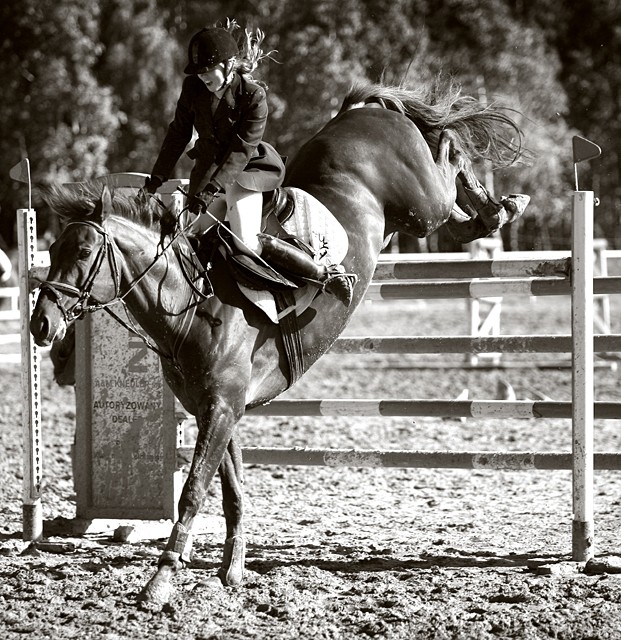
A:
[292, 339]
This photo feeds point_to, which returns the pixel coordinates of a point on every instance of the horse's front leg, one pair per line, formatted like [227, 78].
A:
[232, 478]
[465, 225]
[216, 426]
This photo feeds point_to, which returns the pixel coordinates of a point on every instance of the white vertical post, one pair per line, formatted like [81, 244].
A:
[32, 517]
[582, 376]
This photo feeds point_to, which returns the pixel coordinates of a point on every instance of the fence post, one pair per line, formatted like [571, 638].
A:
[582, 376]
[489, 324]
[32, 516]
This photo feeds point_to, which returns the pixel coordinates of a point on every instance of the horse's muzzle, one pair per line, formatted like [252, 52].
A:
[47, 323]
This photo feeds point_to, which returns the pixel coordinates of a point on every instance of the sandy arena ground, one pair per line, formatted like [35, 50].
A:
[344, 553]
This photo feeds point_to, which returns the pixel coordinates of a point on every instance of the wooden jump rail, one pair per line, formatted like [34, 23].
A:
[473, 288]
[482, 460]
[432, 407]
[467, 344]
[499, 268]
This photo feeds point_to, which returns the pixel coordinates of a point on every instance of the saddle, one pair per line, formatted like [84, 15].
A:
[250, 270]
[254, 275]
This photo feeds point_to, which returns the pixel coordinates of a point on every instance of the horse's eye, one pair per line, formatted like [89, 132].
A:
[84, 254]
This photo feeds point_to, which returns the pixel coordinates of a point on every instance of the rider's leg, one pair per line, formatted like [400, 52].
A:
[244, 211]
[296, 262]
[205, 221]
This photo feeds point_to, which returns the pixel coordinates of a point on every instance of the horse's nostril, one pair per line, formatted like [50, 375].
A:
[40, 328]
[36, 326]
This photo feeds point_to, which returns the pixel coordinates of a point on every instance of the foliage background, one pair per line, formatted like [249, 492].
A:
[89, 86]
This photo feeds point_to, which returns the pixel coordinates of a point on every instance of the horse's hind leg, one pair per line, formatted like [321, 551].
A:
[232, 478]
[476, 213]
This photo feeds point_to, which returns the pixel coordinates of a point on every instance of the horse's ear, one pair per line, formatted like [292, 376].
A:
[104, 207]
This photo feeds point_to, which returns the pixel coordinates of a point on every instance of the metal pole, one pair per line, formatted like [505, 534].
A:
[582, 376]
[32, 517]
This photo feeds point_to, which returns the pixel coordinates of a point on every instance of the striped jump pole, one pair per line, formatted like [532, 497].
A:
[469, 344]
[412, 459]
[495, 268]
[474, 288]
[487, 460]
[396, 408]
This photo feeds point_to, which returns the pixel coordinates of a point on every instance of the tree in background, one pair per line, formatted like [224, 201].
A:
[92, 84]
[140, 62]
[57, 114]
[587, 37]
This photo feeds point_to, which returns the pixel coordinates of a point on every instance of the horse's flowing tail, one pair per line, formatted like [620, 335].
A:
[484, 132]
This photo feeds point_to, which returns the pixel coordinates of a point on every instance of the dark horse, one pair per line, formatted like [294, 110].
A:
[375, 171]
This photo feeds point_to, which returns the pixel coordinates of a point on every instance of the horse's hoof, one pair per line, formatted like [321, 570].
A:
[156, 592]
[234, 558]
[514, 205]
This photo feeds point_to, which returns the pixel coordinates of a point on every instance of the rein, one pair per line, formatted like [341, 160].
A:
[87, 304]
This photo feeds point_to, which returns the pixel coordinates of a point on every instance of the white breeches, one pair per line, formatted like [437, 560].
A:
[242, 208]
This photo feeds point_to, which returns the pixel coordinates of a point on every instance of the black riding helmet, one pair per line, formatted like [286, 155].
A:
[208, 47]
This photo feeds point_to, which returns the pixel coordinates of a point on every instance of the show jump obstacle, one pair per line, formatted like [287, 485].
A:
[127, 444]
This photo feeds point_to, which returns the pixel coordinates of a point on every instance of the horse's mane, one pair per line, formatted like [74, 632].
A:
[485, 132]
[77, 202]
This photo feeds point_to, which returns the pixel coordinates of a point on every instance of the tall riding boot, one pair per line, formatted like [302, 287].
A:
[297, 263]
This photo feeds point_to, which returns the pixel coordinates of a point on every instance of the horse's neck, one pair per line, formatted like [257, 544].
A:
[154, 290]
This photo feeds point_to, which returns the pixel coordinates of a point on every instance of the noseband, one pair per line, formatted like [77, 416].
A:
[85, 303]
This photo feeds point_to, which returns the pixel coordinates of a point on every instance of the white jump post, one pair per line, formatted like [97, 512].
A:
[583, 547]
[32, 516]
[582, 376]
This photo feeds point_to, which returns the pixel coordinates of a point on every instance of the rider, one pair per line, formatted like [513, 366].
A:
[233, 164]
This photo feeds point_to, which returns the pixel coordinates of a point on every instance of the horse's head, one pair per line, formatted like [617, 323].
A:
[82, 272]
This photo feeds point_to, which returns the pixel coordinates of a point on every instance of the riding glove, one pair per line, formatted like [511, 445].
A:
[152, 184]
[198, 204]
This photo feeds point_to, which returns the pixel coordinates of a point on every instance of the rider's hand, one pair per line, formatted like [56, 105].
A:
[198, 204]
[209, 191]
[152, 184]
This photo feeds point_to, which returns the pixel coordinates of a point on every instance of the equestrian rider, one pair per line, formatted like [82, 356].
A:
[233, 164]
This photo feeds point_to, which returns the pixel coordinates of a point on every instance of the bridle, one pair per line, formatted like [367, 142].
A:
[85, 303]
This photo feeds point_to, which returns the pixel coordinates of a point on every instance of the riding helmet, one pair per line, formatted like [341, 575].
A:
[208, 47]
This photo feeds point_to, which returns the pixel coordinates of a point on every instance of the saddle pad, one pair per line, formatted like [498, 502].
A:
[313, 223]
[264, 300]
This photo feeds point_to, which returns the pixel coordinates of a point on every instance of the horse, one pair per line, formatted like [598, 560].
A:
[388, 161]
